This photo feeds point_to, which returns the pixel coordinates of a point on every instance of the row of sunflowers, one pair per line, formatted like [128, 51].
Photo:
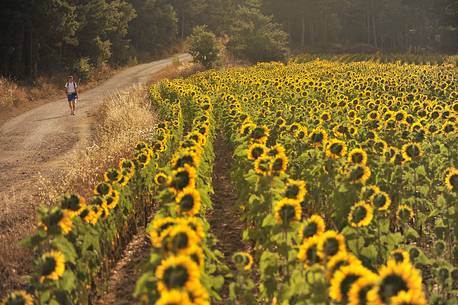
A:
[347, 177]
[184, 267]
[78, 241]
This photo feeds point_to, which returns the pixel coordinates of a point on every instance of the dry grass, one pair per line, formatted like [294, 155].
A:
[10, 93]
[123, 120]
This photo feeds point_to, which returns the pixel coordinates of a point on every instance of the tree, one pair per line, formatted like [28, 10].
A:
[155, 26]
[255, 37]
[203, 46]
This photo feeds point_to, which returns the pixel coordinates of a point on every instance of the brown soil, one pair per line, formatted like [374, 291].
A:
[121, 286]
[39, 145]
[224, 219]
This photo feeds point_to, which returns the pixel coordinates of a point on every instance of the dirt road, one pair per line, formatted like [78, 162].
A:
[37, 143]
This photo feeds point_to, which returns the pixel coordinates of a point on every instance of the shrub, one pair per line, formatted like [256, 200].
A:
[203, 46]
[255, 37]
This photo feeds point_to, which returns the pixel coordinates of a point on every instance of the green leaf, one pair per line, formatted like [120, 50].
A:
[66, 247]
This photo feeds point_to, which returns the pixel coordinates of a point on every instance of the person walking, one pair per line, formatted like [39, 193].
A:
[72, 94]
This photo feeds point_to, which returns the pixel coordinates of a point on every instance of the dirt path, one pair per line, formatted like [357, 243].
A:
[224, 219]
[38, 144]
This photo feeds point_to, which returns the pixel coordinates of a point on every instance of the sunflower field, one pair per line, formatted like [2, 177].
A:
[346, 176]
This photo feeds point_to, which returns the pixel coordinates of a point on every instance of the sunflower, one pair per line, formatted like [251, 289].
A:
[112, 175]
[295, 189]
[51, 266]
[318, 136]
[409, 298]
[404, 212]
[112, 199]
[312, 226]
[103, 189]
[359, 174]
[300, 133]
[73, 203]
[411, 151]
[336, 148]
[197, 255]
[91, 214]
[399, 256]
[179, 238]
[287, 211]
[339, 260]
[19, 297]
[199, 295]
[243, 260]
[357, 156]
[262, 165]
[259, 134]
[276, 150]
[255, 151]
[308, 251]
[189, 157]
[279, 164]
[247, 128]
[381, 201]
[157, 228]
[182, 178]
[127, 167]
[161, 179]
[177, 272]
[330, 243]
[188, 201]
[451, 179]
[395, 278]
[344, 279]
[197, 225]
[360, 215]
[173, 297]
[358, 294]
[57, 221]
[368, 190]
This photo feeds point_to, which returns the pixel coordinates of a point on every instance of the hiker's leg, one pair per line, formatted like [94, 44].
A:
[70, 106]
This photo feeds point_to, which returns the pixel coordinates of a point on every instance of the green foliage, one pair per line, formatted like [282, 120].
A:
[203, 46]
[255, 37]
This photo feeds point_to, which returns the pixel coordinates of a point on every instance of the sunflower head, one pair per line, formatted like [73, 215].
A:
[51, 266]
[262, 165]
[361, 214]
[308, 251]
[359, 291]
[177, 272]
[411, 151]
[336, 149]
[339, 260]
[182, 178]
[256, 150]
[74, 203]
[188, 158]
[359, 174]
[161, 179]
[330, 243]
[179, 239]
[112, 175]
[259, 134]
[158, 227]
[381, 201]
[318, 136]
[188, 201]
[279, 164]
[394, 279]
[295, 189]
[344, 279]
[103, 189]
[399, 256]
[242, 260]
[57, 221]
[357, 156]
[312, 226]
[19, 297]
[173, 297]
[404, 212]
[451, 179]
[287, 211]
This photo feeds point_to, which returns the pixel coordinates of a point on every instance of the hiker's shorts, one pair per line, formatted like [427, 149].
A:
[71, 97]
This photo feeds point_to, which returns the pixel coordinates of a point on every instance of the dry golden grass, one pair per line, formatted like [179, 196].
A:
[122, 121]
[10, 93]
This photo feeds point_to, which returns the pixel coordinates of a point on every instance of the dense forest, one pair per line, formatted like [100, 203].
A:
[48, 35]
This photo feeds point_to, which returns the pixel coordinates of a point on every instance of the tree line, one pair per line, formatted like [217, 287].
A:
[39, 36]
